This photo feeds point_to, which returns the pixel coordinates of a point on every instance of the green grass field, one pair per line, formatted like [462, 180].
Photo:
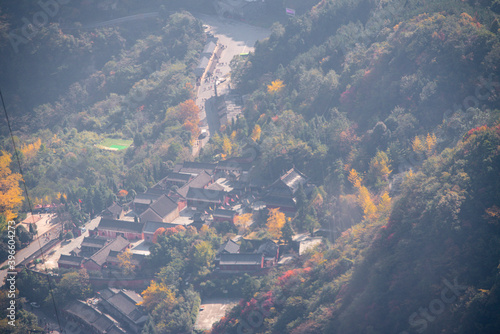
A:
[115, 144]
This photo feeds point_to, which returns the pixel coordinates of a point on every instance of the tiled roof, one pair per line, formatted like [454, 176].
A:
[146, 198]
[210, 46]
[70, 260]
[205, 195]
[152, 226]
[178, 177]
[230, 247]
[90, 316]
[192, 167]
[124, 301]
[293, 179]
[182, 191]
[201, 180]
[279, 201]
[120, 225]
[241, 259]
[203, 63]
[94, 242]
[149, 214]
[224, 213]
[101, 255]
[163, 206]
[115, 209]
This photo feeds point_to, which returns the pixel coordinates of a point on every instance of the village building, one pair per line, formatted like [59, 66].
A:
[195, 168]
[221, 215]
[202, 198]
[112, 228]
[142, 201]
[70, 262]
[164, 209]
[281, 193]
[173, 179]
[241, 262]
[90, 319]
[98, 259]
[122, 305]
[115, 211]
[90, 245]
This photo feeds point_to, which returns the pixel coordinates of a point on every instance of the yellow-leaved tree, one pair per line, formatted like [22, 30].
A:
[125, 263]
[227, 147]
[275, 87]
[256, 133]
[275, 222]
[243, 221]
[155, 294]
[384, 206]
[11, 195]
[379, 167]
[430, 143]
[354, 178]
[417, 145]
[366, 203]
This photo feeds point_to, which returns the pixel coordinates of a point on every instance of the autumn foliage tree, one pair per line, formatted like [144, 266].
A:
[256, 133]
[379, 169]
[384, 206]
[243, 221]
[189, 115]
[10, 191]
[157, 294]
[275, 222]
[125, 263]
[30, 150]
[275, 87]
[354, 178]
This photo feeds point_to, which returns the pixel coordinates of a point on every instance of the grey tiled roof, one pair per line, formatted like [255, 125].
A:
[224, 213]
[241, 259]
[152, 226]
[120, 225]
[101, 255]
[230, 247]
[70, 260]
[205, 195]
[164, 206]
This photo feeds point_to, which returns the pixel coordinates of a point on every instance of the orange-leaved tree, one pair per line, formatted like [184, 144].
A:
[189, 115]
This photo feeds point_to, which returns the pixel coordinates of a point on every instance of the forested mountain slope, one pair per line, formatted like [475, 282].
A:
[361, 95]
[433, 267]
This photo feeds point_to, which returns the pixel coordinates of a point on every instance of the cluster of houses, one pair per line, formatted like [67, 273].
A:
[115, 311]
[219, 191]
[206, 190]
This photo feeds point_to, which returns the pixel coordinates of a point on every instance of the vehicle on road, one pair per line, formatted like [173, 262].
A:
[203, 134]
